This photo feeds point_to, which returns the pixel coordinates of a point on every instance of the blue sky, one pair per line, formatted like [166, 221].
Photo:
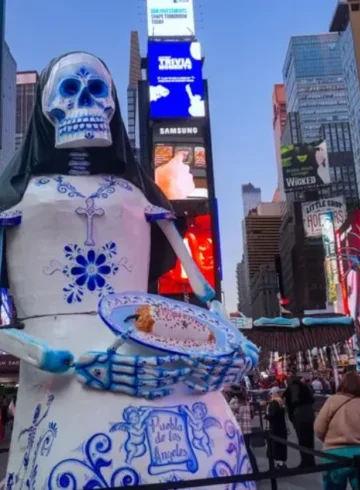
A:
[244, 43]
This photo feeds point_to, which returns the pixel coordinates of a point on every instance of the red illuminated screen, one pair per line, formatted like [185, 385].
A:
[349, 245]
[198, 240]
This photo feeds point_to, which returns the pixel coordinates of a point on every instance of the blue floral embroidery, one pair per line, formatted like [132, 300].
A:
[91, 270]
[107, 186]
[87, 470]
[34, 448]
[242, 465]
[88, 270]
[62, 186]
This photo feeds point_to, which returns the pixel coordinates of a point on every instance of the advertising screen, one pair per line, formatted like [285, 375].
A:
[348, 249]
[343, 301]
[179, 160]
[312, 211]
[331, 265]
[5, 308]
[305, 165]
[175, 80]
[180, 171]
[198, 240]
[170, 18]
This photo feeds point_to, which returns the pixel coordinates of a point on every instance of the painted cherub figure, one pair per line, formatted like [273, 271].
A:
[135, 426]
[199, 423]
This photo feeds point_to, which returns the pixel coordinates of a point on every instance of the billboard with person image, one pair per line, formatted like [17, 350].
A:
[179, 160]
[305, 165]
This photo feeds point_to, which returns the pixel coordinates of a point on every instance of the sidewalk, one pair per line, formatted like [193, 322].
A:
[305, 482]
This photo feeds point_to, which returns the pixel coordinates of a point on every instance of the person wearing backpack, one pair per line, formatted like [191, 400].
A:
[337, 426]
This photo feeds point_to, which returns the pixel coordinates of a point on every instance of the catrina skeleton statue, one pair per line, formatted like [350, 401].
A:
[126, 391]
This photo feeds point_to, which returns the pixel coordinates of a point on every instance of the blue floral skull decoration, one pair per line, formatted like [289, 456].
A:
[79, 102]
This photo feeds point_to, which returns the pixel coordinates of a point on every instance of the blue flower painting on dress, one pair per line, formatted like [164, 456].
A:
[88, 270]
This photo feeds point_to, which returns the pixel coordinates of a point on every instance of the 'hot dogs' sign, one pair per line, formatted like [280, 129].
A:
[312, 211]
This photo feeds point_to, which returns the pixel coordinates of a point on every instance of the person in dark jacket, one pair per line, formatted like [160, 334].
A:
[299, 401]
[276, 415]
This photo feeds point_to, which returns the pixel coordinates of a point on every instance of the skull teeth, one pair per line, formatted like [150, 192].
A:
[73, 128]
[82, 120]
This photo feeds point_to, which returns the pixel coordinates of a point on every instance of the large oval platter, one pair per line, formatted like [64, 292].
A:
[169, 325]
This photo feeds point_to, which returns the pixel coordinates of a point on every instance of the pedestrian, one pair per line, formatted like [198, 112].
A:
[242, 410]
[11, 408]
[337, 426]
[317, 385]
[276, 415]
[300, 400]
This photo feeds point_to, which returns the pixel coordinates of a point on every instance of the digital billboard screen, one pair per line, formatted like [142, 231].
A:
[312, 211]
[331, 264]
[348, 250]
[176, 167]
[170, 18]
[199, 242]
[179, 160]
[175, 80]
[305, 165]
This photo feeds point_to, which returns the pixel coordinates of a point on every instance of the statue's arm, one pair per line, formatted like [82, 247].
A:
[21, 345]
[199, 284]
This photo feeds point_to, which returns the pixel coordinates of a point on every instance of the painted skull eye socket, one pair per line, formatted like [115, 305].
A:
[98, 88]
[70, 87]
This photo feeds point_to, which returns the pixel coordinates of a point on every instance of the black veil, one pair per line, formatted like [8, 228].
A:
[38, 156]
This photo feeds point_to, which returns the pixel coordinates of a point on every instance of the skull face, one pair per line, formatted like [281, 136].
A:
[78, 100]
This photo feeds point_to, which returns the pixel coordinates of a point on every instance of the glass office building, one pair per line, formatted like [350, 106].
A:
[8, 98]
[346, 22]
[314, 82]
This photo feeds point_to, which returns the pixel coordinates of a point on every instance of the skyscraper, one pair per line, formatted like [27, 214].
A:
[346, 22]
[242, 294]
[314, 82]
[279, 121]
[8, 98]
[134, 78]
[261, 246]
[341, 160]
[25, 98]
[251, 197]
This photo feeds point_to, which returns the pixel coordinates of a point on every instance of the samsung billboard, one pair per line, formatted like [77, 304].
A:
[170, 18]
[175, 80]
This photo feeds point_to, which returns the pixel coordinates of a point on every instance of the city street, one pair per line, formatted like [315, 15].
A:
[306, 482]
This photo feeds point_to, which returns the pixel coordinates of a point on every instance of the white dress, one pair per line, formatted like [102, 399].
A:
[81, 238]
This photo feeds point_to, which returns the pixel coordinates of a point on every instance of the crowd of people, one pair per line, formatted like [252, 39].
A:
[292, 404]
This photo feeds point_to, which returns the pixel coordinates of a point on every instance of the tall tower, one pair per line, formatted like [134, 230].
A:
[251, 197]
[346, 22]
[8, 98]
[314, 82]
[134, 78]
[279, 121]
[25, 98]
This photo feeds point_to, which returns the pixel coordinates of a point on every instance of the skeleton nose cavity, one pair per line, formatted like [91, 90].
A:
[85, 99]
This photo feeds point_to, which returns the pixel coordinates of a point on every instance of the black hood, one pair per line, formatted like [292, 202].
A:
[38, 156]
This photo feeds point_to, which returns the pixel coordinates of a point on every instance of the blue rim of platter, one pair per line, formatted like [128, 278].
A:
[226, 335]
